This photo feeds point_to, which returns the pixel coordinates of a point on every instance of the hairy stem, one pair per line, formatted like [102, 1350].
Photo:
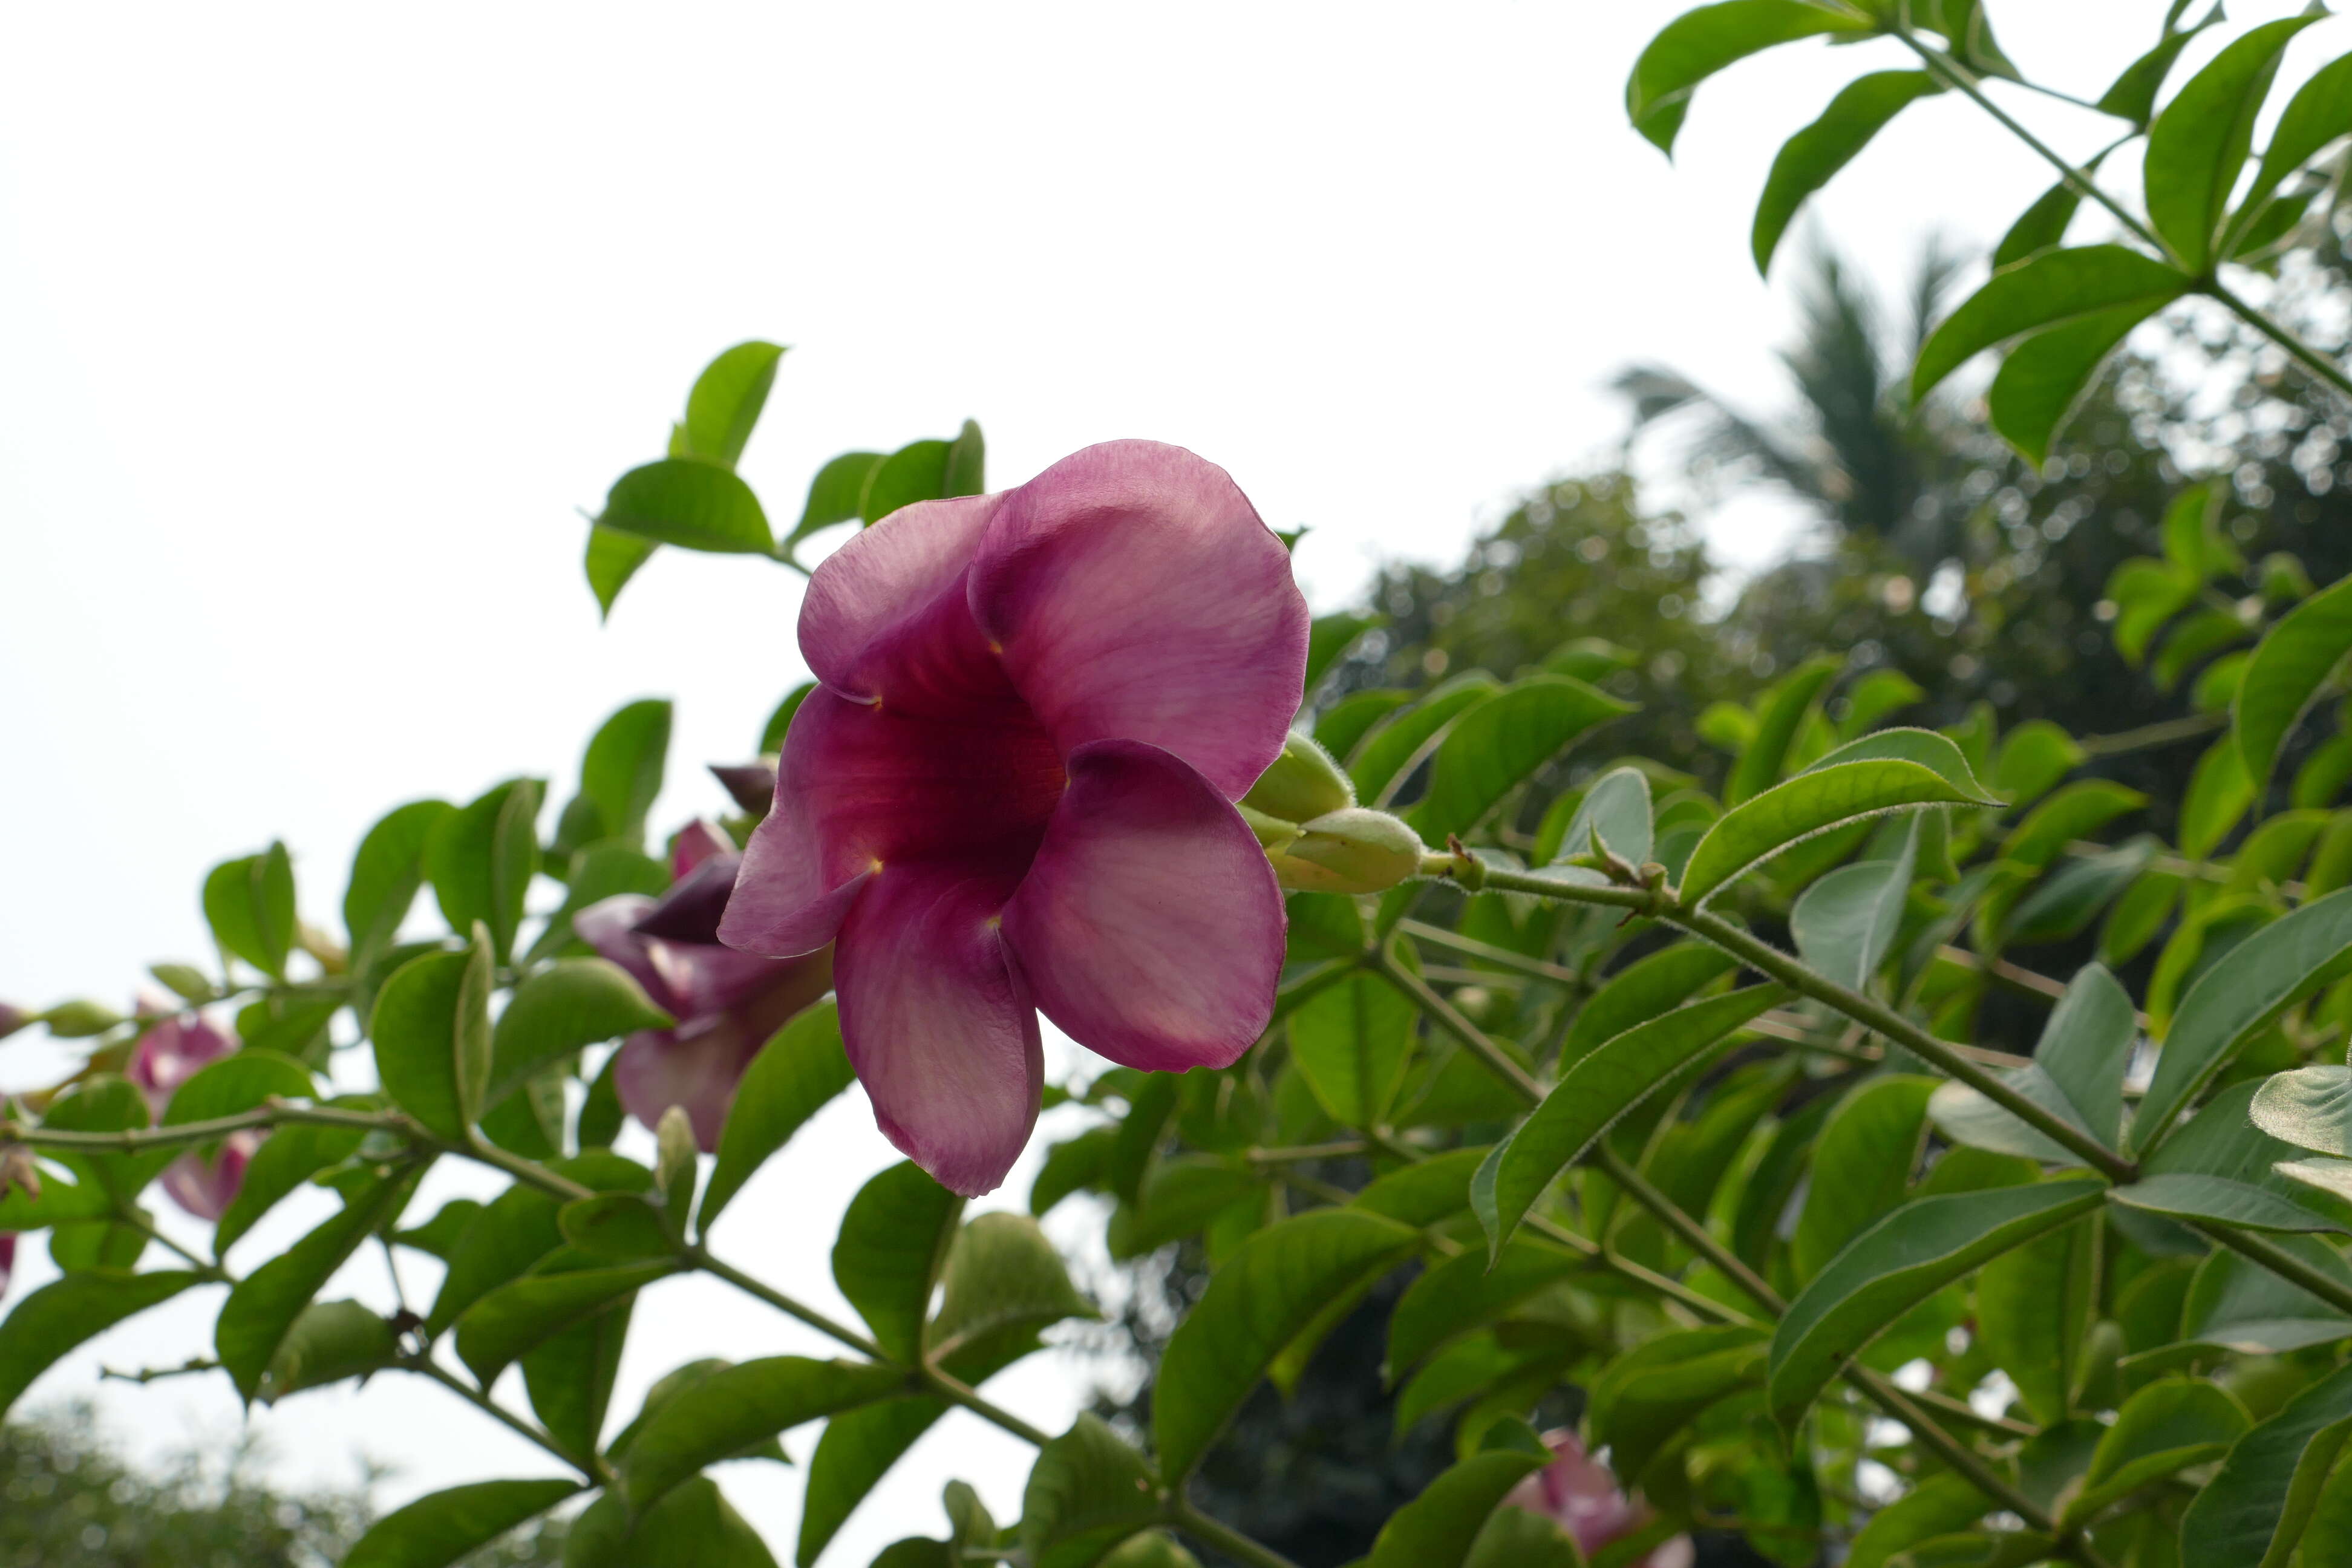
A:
[955, 1392]
[1473, 1038]
[594, 1467]
[2279, 1261]
[700, 1258]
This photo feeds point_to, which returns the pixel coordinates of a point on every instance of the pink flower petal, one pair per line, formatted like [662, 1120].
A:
[656, 1070]
[609, 925]
[173, 1052]
[867, 786]
[1137, 596]
[1149, 926]
[7, 1258]
[936, 1021]
[697, 841]
[882, 579]
[205, 1184]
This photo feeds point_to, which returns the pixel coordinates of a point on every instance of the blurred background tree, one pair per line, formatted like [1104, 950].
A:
[68, 1496]
[1929, 549]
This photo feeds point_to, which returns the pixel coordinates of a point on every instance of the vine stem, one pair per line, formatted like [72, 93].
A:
[1878, 1390]
[1184, 1516]
[1763, 957]
[1954, 75]
[2279, 1261]
[595, 1469]
[701, 1257]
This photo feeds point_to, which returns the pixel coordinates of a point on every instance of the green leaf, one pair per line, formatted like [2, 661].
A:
[386, 874]
[833, 496]
[1003, 1278]
[2310, 1108]
[1899, 1262]
[64, 1312]
[2290, 666]
[237, 1082]
[612, 558]
[1815, 801]
[1699, 43]
[249, 904]
[2085, 1047]
[329, 1341]
[1500, 743]
[1075, 1164]
[1387, 756]
[523, 1314]
[1254, 1306]
[1427, 1193]
[512, 1233]
[1149, 1549]
[966, 472]
[1657, 1388]
[1087, 1492]
[1845, 923]
[2063, 906]
[2074, 812]
[2034, 1306]
[1808, 158]
[1515, 1538]
[2186, 1196]
[2166, 1428]
[1346, 721]
[2133, 95]
[893, 1240]
[262, 1308]
[692, 1526]
[622, 770]
[615, 1227]
[691, 504]
[917, 471]
[2219, 793]
[1352, 1042]
[2319, 112]
[2234, 1303]
[1178, 1199]
[1642, 990]
[569, 1376]
[1616, 811]
[1330, 637]
[416, 1031]
[2268, 972]
[780, 723]
[2254, 1510]
[2042, 227]
[1436, 1528]
[571, 1004]
[2197, 148]
[733, 1409]
[1463, 1293]
[2044, 378]
[1940, 1506]
[726, 399]
[481, 858]
[1862, 1166]
[1592, 1094]
[2056, 287]
[437, 1529]
[1781, 715]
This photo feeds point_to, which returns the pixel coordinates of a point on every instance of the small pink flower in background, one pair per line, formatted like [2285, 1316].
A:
[1013, 791]
[12, 1018]
[1581, 1496]
[7, 1260]
[169, 1054]
[726, 1004]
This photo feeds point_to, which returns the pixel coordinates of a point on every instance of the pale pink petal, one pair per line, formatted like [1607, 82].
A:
[656, 1070]
[863, 787]
[205, 1184]
[697, 841]
[173, 1051]
[609, 925]
[1137, 596]
[882, 579]
[1149, 926]
[936, 1022]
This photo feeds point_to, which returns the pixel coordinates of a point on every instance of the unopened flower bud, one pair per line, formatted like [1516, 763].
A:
[185, 979]
[12, 1019]
[674, 1162]
[1273, 832]
[751, 785]
[1303, 782]
[80, 1020]
[1353, 850]
[17, 1170]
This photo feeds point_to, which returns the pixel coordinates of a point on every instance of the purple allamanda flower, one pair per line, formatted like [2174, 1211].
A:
[726, 1004]
[172, 1051]
[1578, 1493]
[1013, 791]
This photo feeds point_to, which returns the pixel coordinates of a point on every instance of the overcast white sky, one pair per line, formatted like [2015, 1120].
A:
[317, 324]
